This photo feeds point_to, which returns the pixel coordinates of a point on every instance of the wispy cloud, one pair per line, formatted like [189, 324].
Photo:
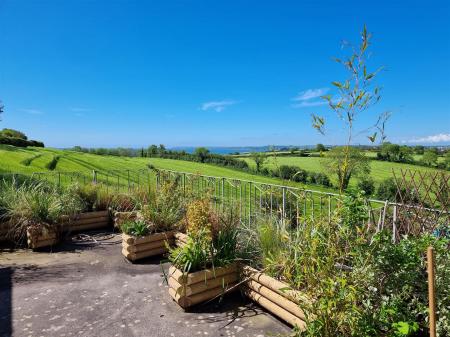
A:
[310, 94]
[217, 106]
[438, 138]
[32, 111]
[310, 97]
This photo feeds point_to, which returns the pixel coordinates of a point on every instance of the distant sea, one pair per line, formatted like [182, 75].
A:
[240, 149]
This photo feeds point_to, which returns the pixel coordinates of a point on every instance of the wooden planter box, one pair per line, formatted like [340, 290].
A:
[139, 247]
[180, 239]
[274, 296]
[41, 238]
[88, 221]
[120, 217]
[188, 289]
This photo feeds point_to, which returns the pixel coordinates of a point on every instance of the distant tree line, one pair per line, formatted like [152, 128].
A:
[17, 138]
[404, 154]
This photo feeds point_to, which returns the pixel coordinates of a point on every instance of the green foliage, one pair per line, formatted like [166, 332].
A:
[204, 250]
[367, 185]
[357, 283]
[430, 158]
[94, 196]
[135, 228]
[19, 142]
[11, 133]
[51, 165]
[259, 159]
[202, 153]
[346, 162]
[165, 210]
[37, 204]
[320, 148]
[387, 190]
[395, 153]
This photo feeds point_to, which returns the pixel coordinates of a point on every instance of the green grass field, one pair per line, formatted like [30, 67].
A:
[380, 170]
[31, 160]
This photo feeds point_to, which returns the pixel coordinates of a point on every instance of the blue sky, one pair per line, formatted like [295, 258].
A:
[216, 73]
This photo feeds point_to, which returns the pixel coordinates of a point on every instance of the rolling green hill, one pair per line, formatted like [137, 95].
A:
[380, 170]
[30, 160]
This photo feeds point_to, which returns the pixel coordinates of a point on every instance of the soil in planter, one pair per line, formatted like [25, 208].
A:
[188, 289]
[135, 248]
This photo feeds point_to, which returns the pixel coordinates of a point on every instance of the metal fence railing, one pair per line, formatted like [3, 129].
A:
[252, 199]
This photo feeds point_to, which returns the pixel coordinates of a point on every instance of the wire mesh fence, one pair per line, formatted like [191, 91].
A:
[251, 199]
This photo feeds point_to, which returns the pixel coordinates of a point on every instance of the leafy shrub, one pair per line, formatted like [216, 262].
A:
[19, 142]
[135, 228]
[51, 165]
[357, 283]
[199, 217]
[387, 190]
[95, 197]
[367, 185]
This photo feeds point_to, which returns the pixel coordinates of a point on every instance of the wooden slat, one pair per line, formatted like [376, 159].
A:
[188, 301]
[275, 309]
[144, 246]
[276, 298]
[141, 255]
[201, 275]
[196, 288]
[146, 239]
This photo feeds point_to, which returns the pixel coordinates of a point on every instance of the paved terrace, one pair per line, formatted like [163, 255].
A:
[91, 290]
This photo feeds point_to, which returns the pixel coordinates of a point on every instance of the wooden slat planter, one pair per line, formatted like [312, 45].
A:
[188, 289]
[88, 221]
[139, 247]
[38, 239]
[274, 296]
[180, 239]
[120, 217]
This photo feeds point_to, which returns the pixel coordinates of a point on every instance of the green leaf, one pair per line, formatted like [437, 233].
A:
[337, 84]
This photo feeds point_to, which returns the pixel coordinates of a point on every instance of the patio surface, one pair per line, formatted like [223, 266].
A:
[91, 290]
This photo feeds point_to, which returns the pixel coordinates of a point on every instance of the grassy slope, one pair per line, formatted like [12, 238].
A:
[11, 158]
[379, 170]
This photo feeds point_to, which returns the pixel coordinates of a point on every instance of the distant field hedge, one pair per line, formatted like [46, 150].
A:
[19, 142]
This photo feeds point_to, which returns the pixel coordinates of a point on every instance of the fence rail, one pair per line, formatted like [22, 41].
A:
[252, 199]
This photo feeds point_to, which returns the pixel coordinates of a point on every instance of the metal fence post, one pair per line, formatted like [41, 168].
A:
[94, 176]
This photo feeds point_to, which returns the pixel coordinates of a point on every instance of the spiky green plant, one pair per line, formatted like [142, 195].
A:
[135, 228]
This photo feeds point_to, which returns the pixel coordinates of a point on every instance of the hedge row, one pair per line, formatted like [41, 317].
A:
[19, 142]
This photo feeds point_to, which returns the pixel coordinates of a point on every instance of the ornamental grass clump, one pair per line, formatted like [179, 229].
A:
[165, 210]
[94, 196]
[39, 207]
[212, 239]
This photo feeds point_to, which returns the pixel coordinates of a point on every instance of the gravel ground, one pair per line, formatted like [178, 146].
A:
[91, 290]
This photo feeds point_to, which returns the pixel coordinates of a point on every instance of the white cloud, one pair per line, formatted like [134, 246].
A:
[306, 104]
[310, 94]
[309, 98]
[32, 111]
[438, 138]
[217, 106]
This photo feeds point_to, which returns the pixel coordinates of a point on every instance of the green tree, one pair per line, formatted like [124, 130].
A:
[346, 162]
[202, 153]
[259, 159]
[13, 134]
[447, 160]
[356, 94]
[419, 149]
[320, 148]
[152, 150]
[430, 158]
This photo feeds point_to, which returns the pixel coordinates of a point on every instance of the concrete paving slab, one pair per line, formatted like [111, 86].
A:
[91, 290]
